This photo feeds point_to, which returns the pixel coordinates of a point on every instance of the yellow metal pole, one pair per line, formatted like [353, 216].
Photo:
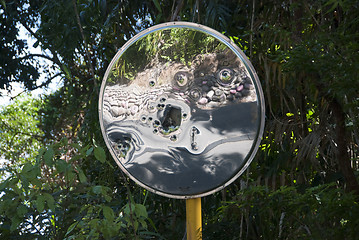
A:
[194, 219]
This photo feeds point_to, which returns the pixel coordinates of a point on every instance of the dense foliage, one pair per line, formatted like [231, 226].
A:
[61, 183]
[21, 137]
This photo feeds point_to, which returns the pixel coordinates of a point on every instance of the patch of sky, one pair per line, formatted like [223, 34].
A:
[17, 89]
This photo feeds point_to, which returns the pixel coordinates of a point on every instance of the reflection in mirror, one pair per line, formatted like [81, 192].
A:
[182, 117]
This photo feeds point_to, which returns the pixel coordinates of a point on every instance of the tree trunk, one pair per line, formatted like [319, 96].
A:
[343, 157]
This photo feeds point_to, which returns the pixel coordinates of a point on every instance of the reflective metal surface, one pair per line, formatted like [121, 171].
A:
[181, 110]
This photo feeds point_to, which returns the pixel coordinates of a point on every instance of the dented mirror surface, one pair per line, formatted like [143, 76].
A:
[181, 110]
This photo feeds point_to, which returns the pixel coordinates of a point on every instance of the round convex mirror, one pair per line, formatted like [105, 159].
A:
[181, 110]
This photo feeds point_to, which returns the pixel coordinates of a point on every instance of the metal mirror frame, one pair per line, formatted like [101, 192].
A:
[238, 52]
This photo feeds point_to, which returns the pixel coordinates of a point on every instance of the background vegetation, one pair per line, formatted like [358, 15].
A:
[58, 182]
[164, 46]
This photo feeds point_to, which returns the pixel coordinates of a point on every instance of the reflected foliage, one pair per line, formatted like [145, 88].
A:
[165, 46]
[168, 126]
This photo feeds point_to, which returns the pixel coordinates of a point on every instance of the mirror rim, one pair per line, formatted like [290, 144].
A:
[238, 52]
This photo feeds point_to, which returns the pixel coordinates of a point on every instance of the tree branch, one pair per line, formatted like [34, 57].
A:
[48, 81]
[38, 55]
[251, 35]
[40, 86]
[55, 59]
[177, 10]
[83, 38]
[343, 157]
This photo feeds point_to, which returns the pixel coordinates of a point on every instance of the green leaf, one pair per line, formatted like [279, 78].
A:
[135, 223]
[50, 201]
[61, 166]
[158, 6]
[140, 210]
[143, 223]
[100, 154]
[107, 197]
[108, 213]
[4, 184]
[71, 176]
[35, 182]
[3, 3]
[36, 44]
[40, 203]
[15, 221]
[13, 182]
[290, 114]
[9, 183]
[152, 223]
[334, 4]
[94, 223]
[97, 189]
[40, 153]
[89, 151]
[126, 210]
[29, 171]
[158, 19]
[71, 228]
[48, 156]
[82, 176]
[26, 168]
[21, 210]
[66, 70]
[105, 193]
[24, 182]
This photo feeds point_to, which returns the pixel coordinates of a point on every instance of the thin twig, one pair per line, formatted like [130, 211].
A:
[37, 55]
[48, 80]
[198, 20]
[311, 14]
[251, 36]
[12, 98]
[129, 203]
[40, 86]
[86, 49]
[281, 224]
[55, 59]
